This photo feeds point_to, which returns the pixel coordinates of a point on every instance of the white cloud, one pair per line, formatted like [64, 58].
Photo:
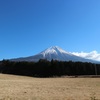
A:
[90, 55]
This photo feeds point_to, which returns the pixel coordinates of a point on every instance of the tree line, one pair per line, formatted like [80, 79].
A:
[44, 68]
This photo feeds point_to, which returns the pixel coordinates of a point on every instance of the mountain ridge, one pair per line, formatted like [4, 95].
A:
[55, 53]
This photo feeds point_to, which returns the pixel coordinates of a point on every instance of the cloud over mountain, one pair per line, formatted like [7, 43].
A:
[94, 55]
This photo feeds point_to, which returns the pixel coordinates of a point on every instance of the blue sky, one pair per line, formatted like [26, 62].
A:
[29, 26]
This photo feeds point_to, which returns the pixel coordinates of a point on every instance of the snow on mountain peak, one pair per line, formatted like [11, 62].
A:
[53, 50]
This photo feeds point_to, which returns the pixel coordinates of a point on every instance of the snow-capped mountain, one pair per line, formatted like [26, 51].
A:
[55, 53]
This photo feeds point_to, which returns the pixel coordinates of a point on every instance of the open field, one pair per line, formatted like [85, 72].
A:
[28, 88]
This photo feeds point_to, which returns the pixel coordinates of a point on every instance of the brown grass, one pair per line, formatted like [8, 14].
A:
[28, 88]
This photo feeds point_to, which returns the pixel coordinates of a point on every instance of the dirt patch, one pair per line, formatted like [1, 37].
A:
[28, 88]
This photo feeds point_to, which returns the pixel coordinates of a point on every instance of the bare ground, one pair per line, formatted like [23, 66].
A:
[28, 88]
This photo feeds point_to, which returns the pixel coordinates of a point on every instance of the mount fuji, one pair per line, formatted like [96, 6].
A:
[55, 53]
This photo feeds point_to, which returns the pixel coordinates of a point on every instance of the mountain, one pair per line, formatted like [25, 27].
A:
[55, 53]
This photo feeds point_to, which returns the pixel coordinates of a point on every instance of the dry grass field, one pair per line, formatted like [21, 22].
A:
[28, 88]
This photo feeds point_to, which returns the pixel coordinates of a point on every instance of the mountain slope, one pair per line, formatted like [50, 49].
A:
[54, 53]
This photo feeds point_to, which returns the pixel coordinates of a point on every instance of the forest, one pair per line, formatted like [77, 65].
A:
[53, 68]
